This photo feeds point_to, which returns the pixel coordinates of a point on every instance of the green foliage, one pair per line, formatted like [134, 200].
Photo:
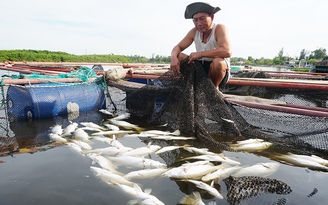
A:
[57, 56]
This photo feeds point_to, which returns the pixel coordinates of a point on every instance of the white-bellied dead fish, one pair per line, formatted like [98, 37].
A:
[136, 162]
[214, 158]
[249, 141]
[112, 127]
[145, 197]
[142, 151]
[223, 171]
[145, 173]
[82, 144]
[57, 138]
[92, 125]
[159, 132]
[196, 163]
[57, 129]
[170, 137]
[260, 169]
[251, 147]
[210, 189]
[126, 189]
[109, 177]
[300, 161]
[203, 151]
[126, 125]
[167, 148]
[192, 199]
[106, 112]
[190, 172]
[103, 162]
[123, 116]
[115, 150]
[112, 132]
[75, 148]
[110, 141]
[70, 128]
[80, 134]
[313, 158]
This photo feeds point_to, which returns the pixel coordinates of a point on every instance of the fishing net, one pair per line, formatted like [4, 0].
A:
[294, 96]
[190, 102]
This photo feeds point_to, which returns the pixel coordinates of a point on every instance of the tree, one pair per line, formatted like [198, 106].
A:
[319, 53]
[303, 54]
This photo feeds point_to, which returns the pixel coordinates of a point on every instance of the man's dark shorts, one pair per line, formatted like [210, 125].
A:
[206, 66]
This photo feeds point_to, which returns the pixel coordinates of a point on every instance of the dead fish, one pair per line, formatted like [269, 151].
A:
[203, 151]
[103, 162]
[251, 147]
[110, 150]
[167, 148]
[123, 116]
[192, 199]
[70, 128]
[142, 151]
[92, 125]
[110, 141]
[109, 177]
[169, 137]
[223, 171]
[159, 132]
[249, 141]
[126, 189]
[126, 125]
[190, 172]
[80, 134]
[210, 189]
[106, 112]
[57, 129]
[112, 127]
[145, 173]
[75, 148]
[214, 158]
[260, 169]
[57, 138]
[137, 162]
[311, 158]
[82, 144]
[146, 197]
[112, 132]
[301, 161]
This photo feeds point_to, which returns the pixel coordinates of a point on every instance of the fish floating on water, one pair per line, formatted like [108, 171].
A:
[251, 145]
[210, 189]
[311, 162]
[106, 112]
[192, 199]
[260, 169]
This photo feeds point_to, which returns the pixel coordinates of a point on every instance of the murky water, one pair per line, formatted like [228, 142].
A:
[47, 173]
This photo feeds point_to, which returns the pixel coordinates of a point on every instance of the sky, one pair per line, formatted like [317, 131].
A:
[257, 28]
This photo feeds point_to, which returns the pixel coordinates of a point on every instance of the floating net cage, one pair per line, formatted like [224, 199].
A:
[190, 102]
[29, 110]
[296, 96]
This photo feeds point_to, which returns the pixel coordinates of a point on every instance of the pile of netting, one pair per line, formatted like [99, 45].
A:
[190, 102]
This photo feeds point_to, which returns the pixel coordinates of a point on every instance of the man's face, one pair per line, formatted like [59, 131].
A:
[202, 21]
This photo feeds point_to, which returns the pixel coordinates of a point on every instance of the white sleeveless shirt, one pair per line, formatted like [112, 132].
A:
[209, 45]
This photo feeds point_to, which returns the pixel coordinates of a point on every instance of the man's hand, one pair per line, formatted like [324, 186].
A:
[175, 65]
[194, 56]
